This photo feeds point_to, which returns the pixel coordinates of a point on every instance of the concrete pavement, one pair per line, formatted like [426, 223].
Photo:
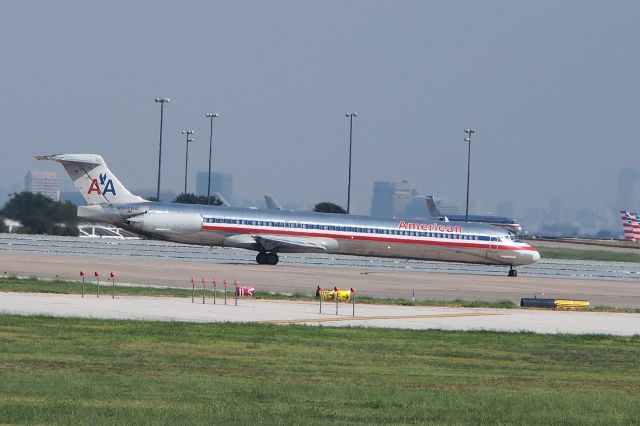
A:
[307, 313]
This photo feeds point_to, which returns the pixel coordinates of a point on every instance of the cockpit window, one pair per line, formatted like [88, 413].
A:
[512, 237]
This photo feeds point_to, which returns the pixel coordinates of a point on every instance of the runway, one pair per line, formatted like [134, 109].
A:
[369, 281]
[169, 264]
[154, 249]
[307, 313]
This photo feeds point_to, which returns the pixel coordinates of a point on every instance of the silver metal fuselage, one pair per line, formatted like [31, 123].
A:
[335, 233]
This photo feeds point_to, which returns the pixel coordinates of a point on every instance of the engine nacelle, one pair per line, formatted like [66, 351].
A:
[99, 212]
[166, 222]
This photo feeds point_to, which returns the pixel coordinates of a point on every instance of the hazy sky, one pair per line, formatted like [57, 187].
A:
[551, 86]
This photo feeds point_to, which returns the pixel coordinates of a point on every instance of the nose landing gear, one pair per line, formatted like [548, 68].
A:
[512, 272]
[267, 258]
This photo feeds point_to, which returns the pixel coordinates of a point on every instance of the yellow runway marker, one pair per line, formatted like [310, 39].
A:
[382, 317]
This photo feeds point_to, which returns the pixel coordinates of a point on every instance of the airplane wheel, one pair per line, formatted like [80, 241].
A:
[272, 258]
[513, 273]
[261, 258]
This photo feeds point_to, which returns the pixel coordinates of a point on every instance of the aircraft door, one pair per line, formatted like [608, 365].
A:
[493, 247]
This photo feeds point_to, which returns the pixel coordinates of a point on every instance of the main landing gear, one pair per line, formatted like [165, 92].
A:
[512, 272]
[267, 258]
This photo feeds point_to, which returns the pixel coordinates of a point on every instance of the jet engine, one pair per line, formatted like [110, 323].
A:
[166, 222]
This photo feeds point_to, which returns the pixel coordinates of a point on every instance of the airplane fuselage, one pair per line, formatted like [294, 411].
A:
[256, 229]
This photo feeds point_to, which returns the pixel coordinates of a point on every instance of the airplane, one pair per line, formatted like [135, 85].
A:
[270, 232]
[630, 225]
[223, 200]
[272, 203]
[503, 222]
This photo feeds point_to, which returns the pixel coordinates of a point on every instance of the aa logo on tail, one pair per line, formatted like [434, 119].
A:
[105, 184]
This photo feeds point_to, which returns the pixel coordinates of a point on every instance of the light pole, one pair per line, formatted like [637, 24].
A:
[162, 102]
[186, 157]
[469, 132]
[350, 116]
[210, 115]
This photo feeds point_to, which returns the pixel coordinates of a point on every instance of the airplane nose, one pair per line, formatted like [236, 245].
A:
[535, 256]
[527, 257]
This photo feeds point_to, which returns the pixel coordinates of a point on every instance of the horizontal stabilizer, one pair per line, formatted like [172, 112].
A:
[93, 179]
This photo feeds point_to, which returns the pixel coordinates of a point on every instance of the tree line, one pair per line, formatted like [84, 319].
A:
[39, 214]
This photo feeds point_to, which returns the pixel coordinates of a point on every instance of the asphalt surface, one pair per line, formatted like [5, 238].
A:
[154, 249]
[308, 313]
[367, 280]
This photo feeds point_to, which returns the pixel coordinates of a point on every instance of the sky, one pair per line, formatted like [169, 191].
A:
[550, 86]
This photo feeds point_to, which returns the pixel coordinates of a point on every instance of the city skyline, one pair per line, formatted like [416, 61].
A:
[403, 199]
[549, 87]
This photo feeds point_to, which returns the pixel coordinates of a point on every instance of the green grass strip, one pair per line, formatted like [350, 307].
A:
[75, 371]
[36, 285]
[598, 255]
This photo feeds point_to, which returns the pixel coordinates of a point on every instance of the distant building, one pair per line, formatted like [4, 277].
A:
[628, 189]
[45, 183]
[382, 200]
[393, 199]
[403, 195]
[220, 182]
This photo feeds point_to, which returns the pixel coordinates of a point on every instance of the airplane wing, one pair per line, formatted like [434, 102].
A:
[284, 243]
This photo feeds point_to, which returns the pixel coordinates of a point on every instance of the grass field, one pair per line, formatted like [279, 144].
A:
[576, 254]
[70, 371]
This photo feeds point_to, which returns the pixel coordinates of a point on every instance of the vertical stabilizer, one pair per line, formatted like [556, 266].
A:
[223, 200]
[93, 179]
[630, 225]
[433, 209]
[272, 203]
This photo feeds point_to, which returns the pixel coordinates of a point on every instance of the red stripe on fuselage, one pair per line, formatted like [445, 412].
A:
[360, 237]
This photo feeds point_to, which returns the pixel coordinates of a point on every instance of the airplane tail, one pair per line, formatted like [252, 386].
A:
[434, 210]
[630, 225]
[223, 200]
[272, 203]
[93, 179]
